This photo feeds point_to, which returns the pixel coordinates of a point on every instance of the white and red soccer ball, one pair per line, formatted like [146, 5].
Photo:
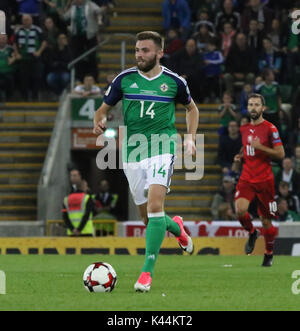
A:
[99, 277]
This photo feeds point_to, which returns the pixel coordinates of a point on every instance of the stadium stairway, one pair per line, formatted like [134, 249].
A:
[192, 199]
[25, 131]
[130, 16]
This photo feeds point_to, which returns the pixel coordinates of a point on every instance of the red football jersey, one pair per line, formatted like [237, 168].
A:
[257, 164]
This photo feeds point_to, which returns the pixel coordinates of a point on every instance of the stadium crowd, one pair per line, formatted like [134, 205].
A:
[225, 49]
[43, 37]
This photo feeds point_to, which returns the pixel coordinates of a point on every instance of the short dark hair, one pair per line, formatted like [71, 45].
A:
[151, 35]
[257, 96]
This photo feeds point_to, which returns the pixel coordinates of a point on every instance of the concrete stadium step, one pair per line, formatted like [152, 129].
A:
[140, 4]
[16, 157]
[17, 199]
[112, 67]
[27, 125]
[155, 22]
[29, 167]
[132, 28]
[127, 10]
[12, 209]
[206, 127]
[180, 179]
[19, 178]
[28, 116]
[18, 188]
[24, 136]
[39, 106]
[187, 201]
[111, 48]
[4, 217]
[23, 146]
[115, 58]
[209, 189]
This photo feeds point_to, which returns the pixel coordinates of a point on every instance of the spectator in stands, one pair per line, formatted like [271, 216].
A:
[226, 212]
[225, 195]
[227, 36]
[229, 146]
[270, 58]
[188, 63]
[227, 15]
[84, 16]
[296, 159]
[276, 35]
[88, 88]
[78, 212]
[106, 6]
[75, 179]
[177, 14]
[289, 175]
[51, 32]
[292, 199]
[55, 9]
[7, 67]
[283, 212]
[173, 43]
[205, 6]
[227, 112]
[241, 63]
[30, 7]
[269, 89]
[244, 120]
[203, 35]
[256, 11]
[248, 89]
[255, 36]
[213, 59]
[59, 76]
[29, 47]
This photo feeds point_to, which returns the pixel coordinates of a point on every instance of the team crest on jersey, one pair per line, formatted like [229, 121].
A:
[164, 87]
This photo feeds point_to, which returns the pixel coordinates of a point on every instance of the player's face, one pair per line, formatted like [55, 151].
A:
[255, 108]
[147, 55]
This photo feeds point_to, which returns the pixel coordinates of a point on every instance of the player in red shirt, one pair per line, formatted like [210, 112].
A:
[261, 144]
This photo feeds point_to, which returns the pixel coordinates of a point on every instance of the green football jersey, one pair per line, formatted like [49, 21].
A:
[148, 110]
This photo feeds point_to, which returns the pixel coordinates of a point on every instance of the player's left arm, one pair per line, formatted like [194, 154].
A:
[192, 120]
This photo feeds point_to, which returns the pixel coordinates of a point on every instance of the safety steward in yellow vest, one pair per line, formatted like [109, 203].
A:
[78, 214]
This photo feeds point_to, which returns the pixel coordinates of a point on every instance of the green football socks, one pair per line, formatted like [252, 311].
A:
[155, 233]
[172, 226]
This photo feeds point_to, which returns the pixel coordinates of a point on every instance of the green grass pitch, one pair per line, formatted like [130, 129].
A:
[48, 282]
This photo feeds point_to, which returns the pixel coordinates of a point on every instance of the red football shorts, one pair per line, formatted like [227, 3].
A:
[264, 191]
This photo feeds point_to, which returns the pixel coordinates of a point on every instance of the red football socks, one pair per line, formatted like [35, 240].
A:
[269, 235]
[246, 222]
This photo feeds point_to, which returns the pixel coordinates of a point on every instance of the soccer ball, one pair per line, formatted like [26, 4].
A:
[99, 277]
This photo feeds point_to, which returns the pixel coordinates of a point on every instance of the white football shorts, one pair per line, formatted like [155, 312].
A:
[154, 170]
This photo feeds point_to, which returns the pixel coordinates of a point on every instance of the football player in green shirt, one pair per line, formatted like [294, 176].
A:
[149, 93]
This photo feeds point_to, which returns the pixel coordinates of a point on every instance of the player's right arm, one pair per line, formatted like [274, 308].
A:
[100, 119]
[112, 96]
